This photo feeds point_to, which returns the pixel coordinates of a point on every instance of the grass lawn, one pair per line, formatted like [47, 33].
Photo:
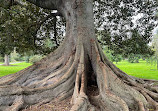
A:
[141, 69]
[5, 70]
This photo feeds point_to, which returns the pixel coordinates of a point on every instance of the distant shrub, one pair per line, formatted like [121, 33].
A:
[27, 58]
[35, 58]
[1, 59]
[116, 58]
[134, 58]
[111, 56]
[16, 57]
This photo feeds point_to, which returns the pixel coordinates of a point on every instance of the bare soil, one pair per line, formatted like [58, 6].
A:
[62, 105]
[52, 106]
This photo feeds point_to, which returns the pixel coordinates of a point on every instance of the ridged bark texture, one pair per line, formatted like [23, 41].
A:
[6, 60]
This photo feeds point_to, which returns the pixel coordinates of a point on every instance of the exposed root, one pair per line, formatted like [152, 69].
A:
[149, 99]
[106, 91]
[17, 104]
[110, 71]
[75, 75]
[28, 92]
[140, 106]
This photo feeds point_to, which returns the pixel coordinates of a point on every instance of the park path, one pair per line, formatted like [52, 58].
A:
[12, 63]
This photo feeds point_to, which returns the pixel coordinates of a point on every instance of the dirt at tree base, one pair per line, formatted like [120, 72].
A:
[52, 106]
[64, 105]
[92, 90]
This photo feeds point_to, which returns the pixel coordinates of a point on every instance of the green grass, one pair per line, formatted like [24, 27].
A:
[5, 70]
[141, 69]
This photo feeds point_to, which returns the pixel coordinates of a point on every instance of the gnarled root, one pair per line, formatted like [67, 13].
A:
[73, 75]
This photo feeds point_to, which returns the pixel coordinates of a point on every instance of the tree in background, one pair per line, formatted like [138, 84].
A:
[13, 23]
[126, 26]
[154, 59]
[134, 58]
[112, 56]
[133, 48]
[76, 65]
[5, 49]
[28, 28]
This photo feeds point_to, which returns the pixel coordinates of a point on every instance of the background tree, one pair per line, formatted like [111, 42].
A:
[154, 59]
[126, 25]
[76, 65]
[25, 27]
[111, 55]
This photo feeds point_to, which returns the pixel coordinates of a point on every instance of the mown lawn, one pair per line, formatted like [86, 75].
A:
[5, 70]
[141, 69]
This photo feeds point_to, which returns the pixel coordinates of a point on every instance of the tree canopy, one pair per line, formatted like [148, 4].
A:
[27, 27]
[117, 23]
[126, 25]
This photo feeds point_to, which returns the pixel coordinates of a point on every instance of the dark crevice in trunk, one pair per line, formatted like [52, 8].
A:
[57, 67]
[91, 77]
[92, 87]
[79, 84]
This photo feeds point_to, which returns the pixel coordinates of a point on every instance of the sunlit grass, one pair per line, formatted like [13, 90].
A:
[5, 70]
[141, 69]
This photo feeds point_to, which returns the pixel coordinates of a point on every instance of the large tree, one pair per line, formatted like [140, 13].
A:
[155, 48]
[78, 63]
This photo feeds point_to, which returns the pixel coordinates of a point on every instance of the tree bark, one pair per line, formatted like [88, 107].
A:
[6, 60]
[78, 63]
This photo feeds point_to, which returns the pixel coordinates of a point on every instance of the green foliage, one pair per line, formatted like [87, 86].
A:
[134, 58]
[14, 25]
[24, 26]
[134, 44]
[126, 25]
[116, 58]
[5, 3]
[26, 58]
[35, 59]
[48, 46]
[1, 59]
[28, 31]
[16, 57]
[111, 56]
[153, 61]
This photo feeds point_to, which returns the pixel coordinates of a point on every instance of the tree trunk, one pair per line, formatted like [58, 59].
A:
[76, 65]
[6, 60]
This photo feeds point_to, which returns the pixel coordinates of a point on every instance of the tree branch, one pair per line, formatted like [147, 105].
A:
[44, 20]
